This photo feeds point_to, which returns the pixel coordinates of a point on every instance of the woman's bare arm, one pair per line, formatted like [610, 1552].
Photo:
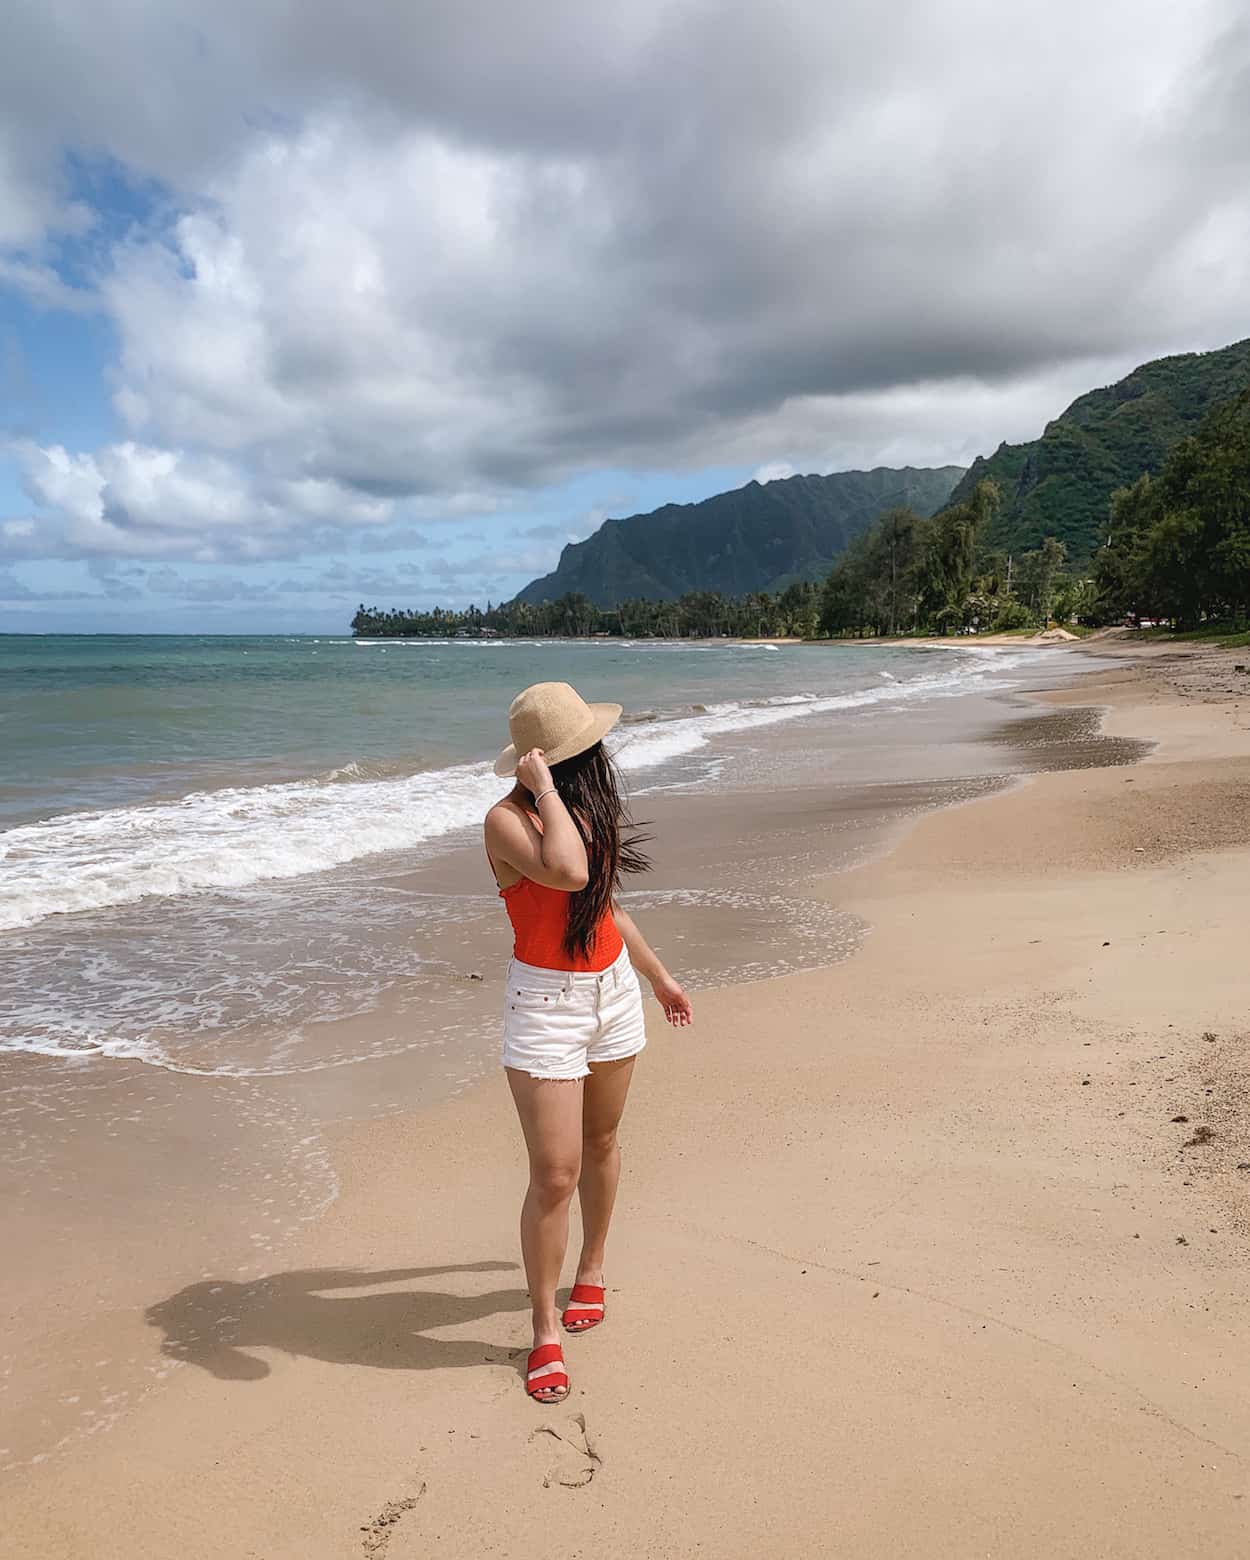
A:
[554, 855]
[668, 992]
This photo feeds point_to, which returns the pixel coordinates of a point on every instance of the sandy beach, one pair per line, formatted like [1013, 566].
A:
[937, 1251]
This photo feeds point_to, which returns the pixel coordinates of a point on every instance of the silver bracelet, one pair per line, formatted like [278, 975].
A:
[550, 791]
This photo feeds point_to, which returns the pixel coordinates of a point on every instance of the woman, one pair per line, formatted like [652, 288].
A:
[573, 1019]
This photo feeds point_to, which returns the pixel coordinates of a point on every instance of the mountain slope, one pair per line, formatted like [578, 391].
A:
[753, 538]
[1061, 484]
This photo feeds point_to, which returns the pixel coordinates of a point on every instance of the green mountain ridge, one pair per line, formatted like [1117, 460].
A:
[761, 537]
[765, 537]
[1061, 483]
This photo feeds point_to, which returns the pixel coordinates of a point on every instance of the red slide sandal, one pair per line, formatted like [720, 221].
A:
[538, 1380]
[585, 1308]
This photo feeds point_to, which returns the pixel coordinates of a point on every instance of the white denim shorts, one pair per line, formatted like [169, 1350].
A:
[556, 1022]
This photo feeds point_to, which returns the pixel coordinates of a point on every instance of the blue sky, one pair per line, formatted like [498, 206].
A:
[303, 309]
[59, 368]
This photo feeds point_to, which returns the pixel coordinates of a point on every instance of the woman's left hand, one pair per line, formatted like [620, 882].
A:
[673, 1000]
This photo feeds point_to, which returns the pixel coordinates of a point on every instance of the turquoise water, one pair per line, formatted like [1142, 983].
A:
[101, 720]
[105, 721]
[204, 841]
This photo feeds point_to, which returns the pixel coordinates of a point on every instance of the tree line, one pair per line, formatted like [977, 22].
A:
[907, 575]
[1176, 549]
[699, 614]
[1178, 545]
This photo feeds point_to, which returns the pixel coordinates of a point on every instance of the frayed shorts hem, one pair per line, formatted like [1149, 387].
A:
[558, 1024]
[542, 1075]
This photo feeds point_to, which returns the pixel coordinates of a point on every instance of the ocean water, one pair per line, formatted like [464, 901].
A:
[205, 842]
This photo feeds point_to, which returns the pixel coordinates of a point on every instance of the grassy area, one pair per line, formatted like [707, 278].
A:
[1077, 630]
[1224, 636]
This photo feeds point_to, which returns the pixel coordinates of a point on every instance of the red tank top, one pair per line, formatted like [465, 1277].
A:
[540, 916]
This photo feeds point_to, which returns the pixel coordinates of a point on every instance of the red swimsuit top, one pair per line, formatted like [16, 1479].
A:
[539, 917]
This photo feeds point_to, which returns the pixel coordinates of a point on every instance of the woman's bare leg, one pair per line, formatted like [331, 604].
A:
[602, 1106]
[551, 1119]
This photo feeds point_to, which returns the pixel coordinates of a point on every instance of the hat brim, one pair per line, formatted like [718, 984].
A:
[603, 718]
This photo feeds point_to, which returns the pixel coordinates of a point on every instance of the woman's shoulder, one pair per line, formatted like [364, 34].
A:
[506, 813]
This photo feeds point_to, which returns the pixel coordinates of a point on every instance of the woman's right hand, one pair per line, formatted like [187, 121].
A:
[676, 1004]
[532, 772]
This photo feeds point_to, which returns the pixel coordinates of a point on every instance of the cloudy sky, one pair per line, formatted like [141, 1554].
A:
[307, 304]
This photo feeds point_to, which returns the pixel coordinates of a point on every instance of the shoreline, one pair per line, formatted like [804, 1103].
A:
[218, 1149]
[927, 1232]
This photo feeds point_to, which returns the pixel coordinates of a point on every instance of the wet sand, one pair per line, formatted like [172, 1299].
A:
[912, 1259]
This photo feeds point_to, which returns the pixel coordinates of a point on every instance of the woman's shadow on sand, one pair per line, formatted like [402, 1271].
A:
[211, 1323]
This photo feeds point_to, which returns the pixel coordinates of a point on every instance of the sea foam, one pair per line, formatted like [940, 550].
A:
[233, 837]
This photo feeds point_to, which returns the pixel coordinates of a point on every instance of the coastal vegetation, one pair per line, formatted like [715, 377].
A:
[1061, 484]
[792, 612]
[908, 575]
[764, 536]
[1178, 544]
[1173, 547]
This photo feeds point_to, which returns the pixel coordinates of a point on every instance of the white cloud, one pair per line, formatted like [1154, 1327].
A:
[43, 286]
[33, 203]
[336, 312]
[16, 593]
[134, 500]
[412, 261]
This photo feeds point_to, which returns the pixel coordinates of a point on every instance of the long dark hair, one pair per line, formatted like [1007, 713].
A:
[590, 787]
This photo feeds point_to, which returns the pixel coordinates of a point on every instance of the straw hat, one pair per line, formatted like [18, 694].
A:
[553, 716]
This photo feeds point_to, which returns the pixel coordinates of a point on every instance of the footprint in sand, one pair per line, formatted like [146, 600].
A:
[572, 1459]
[377, 1531]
